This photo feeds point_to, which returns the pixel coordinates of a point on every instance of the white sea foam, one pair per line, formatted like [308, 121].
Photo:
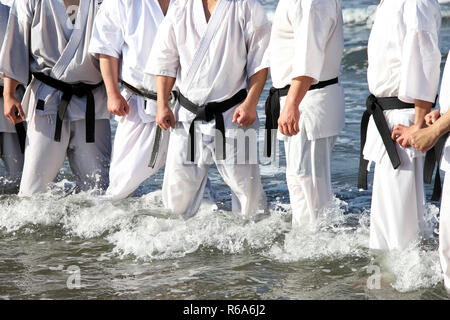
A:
[158, 238]
[413, 269]
[366, 15]
[359, 16]
[335, 238]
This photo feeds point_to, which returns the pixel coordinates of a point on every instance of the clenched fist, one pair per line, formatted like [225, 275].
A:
[245, 115]
[288, 122]
[13, 110]
[118, 105]
[165, 118]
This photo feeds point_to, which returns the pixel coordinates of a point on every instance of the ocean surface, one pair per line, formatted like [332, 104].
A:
[62, 245]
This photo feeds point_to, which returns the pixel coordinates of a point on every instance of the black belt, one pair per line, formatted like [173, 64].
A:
[20, 127]
[273, 109]
[69, 90]
[375, 107]
[142, 93]
[208, 112]
[146, 94]
[432, 160]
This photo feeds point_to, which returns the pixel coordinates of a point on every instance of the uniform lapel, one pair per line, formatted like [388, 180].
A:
[74, 41]
[211, 28]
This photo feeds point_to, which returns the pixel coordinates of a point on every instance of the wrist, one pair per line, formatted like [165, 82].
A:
[250, 104]
[162, 106]
[419, 125]
[8, 95]
[113, 93]
[289, 106]
[437, 130]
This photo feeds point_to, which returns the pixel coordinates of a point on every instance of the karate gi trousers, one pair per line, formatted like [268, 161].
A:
[12, 156]
[185, 182]
[444, 220]
[133, 146]
[308, 176]
[44, 156]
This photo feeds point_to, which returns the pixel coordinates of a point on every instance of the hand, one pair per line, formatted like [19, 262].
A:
[13, 110]
[432, 117]
[245, 115]
[288, 122]
[402, 134]
[118, 105]
[424, 139]
[165, 118]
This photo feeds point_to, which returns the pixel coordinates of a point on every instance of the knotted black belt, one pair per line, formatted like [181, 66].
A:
[158, 133]
[20, 128]
[375, 107]
[208, 112]
[273, 110]
[69, 90]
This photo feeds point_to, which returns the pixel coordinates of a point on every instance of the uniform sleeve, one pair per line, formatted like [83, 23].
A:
[444, 99]
[257, 36]
[164, 58]
[421, 55]
[313, 22]
[107, 36]
[15, 51]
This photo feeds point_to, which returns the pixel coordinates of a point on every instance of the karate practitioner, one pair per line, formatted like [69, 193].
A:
[423, 140]
[124, 33]
[403, 78]
[215, 50]
[306, 48]
[10, 150]
[65, 103]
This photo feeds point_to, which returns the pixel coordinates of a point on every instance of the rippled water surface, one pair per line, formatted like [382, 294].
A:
[136, 249]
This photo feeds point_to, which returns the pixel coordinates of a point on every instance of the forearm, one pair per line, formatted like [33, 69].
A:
[9, 87]
[109, 66]
[298, 90]
[256, 86]
[442, 125]
[421, 109]
[164, 86]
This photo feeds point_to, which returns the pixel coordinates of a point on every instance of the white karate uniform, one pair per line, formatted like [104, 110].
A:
[404, 61]
[41, 38]
[126, 29]
[307, 40]
[208, 69]
[10, 152]
[444, 220]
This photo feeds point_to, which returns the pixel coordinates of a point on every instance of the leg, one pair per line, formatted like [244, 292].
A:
[184, 183]
[12, 156]
[444, 232]
[43, 156]
[398, 207]
[308, 176]
[90, 161]
[244, 179]
[133, 146]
